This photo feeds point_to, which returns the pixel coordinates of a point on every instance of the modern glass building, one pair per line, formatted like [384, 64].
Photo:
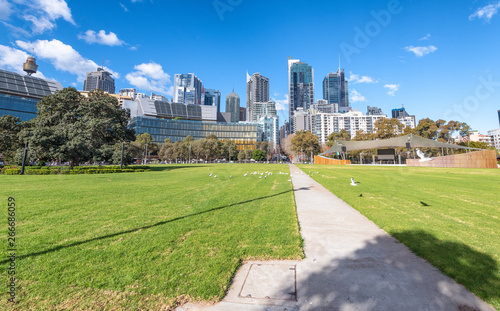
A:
[188, 89]
[335, 90]
[19, 94]
[245, 135]
[99, 80]
[211, 97]
[233, 106]
[257, 92]
[301, 86]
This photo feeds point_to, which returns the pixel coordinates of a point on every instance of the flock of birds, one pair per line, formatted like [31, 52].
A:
[256, 173]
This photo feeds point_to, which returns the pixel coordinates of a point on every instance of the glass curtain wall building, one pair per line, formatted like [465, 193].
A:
[244, 135]
[99, 80]
[19, 94]
[257, 92]
[233, 106]
[301, 86]
[188, 89]
[335, 90]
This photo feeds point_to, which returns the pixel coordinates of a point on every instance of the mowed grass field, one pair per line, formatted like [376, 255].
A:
[449, 216]
[144, 241]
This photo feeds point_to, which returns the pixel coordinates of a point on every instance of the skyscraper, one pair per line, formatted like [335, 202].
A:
[257, 92]
[335, 90]
[301, 86]
[188, 89]
[498, 116]
[99, 80]
[211, 97]
[233, 106]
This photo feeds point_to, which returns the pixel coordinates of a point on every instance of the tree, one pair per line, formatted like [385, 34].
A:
[229, 146]
[286, 145]
[258, 155]
[10, 127]
[72, 128]
[387, 128]
[166, 151]
[305, 141]
[342, 135]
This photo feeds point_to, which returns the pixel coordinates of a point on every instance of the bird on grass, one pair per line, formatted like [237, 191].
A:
[230, 176]
[215, 176]
[361, 195]
[354, 183]
[245, 174]
[210, 174]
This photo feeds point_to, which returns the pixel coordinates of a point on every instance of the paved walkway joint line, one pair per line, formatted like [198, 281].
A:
[350, 264]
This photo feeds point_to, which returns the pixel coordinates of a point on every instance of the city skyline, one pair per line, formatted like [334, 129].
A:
[394, 53]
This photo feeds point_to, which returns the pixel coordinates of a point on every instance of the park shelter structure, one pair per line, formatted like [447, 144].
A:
[476, 159]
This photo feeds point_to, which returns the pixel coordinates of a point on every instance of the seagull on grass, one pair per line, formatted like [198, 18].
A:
[354, 183]
[210, 174]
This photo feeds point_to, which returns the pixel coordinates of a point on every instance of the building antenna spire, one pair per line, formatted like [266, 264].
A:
[233, 88]
[339, 62]
[102, 63]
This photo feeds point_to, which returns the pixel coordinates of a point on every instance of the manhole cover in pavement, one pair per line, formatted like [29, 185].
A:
[270, 282]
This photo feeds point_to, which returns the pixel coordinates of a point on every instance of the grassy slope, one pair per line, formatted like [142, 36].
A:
[451, 217]
[145, 240]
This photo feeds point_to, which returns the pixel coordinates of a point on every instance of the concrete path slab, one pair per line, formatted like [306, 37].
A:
[350, 264]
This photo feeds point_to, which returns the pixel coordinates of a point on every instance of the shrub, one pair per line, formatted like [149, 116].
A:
[13, 171]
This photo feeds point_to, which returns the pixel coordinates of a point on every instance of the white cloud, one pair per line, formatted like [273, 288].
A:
[486, 12]
[353, 78]
[101, 37]
[392, 89]
[150, 77]
[16, 30]
[42, 13]
[124, 7]
[5, 9]
[281, 104]
[420, 51]
[12, 59]
[426, 37]
[354, 96]
[63, 57]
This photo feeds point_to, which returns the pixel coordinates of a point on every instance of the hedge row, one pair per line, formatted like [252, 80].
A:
[64, 170]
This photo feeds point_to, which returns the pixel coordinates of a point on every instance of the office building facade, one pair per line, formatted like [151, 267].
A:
[371, 111]
[301, 87]
[211, 97]
[243, 114]
[244, 135]
[99, 80]
[335, 90]
[257, 92]
[19, 94]
[233, 106]
[188, 89]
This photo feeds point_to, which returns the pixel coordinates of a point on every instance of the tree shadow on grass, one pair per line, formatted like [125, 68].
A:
[477, 271]
[54, 249]
[383, 274]
[170, 167]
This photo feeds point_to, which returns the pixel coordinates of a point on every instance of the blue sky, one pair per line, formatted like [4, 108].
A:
[439, 59]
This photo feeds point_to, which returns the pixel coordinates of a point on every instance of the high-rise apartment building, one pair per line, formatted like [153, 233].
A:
[266, 109]
[335, 90]
[257, 92]
[99, 80]
[211, 97]
[233, 106]
[399, 112]
[301, 86]
[188, 89]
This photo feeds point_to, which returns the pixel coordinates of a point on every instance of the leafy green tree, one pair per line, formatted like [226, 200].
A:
[229, 146]
[258, 155]
[166, 151]
[305, 141]
[388, 128]
[72, 128]
[10, 127]
[343, 134]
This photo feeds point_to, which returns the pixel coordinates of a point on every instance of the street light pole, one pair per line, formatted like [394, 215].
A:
[189, 153]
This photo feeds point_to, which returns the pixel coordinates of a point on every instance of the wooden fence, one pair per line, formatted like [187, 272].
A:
[476, 159]
[322, 160]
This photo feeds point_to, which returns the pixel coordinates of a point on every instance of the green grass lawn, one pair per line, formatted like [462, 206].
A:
[450, 217]
[144, 240]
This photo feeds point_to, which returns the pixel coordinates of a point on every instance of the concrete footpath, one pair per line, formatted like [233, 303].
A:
[350, 264]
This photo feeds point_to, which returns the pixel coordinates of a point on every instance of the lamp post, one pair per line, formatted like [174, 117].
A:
[24, 157]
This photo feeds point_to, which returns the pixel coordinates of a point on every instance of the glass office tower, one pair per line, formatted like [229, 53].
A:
[301, 86]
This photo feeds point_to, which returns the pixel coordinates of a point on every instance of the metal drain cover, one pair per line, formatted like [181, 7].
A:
[268, 281]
